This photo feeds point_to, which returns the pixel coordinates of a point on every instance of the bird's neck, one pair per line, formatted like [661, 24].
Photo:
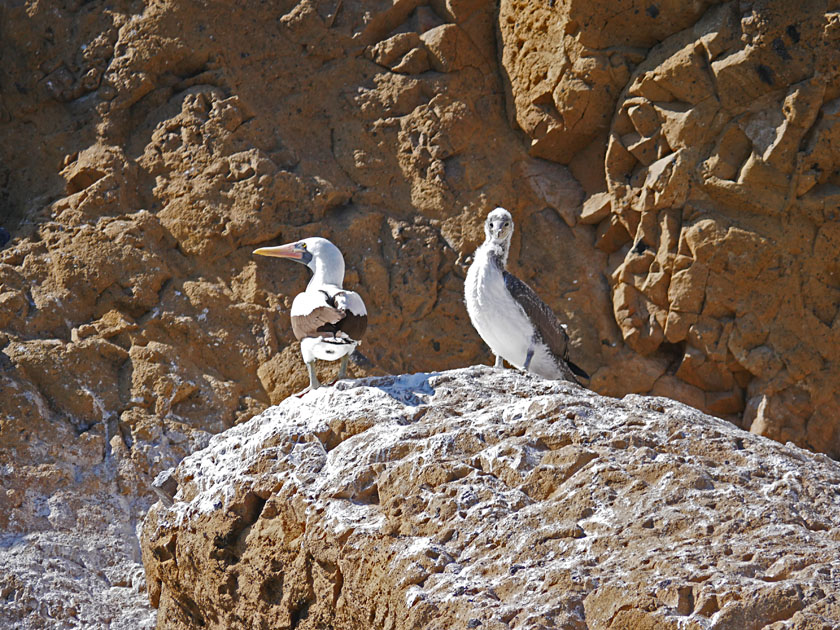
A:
[497, 252]
[325, 274]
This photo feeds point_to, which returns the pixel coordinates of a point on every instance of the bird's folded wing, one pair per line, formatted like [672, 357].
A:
[313, 316]
[540, 313]
[354, 323]
[321, 322]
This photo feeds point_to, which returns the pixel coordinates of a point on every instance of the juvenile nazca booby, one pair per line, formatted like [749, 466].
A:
[508, 315]
[329, 321]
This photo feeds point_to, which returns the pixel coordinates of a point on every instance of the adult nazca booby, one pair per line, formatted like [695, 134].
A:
[508, 315]
[328, 320]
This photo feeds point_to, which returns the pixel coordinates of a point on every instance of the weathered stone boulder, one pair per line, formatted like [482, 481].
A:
[485, 498]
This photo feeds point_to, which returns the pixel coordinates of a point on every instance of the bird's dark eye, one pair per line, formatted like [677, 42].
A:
[303, 245]
[507, 223]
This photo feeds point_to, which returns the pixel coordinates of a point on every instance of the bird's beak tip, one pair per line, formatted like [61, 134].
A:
[281, 251]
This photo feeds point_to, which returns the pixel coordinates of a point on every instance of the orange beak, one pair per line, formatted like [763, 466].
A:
[281, 251]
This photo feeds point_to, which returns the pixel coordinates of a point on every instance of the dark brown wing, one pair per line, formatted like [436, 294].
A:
[351, 304]
[353, 325]
[322, 321]
[320, 314]
[545, 321]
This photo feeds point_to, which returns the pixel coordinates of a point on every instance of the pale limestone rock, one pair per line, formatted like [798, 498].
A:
[489, 498]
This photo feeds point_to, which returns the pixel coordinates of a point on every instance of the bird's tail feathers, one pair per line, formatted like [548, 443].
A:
[361, 360]
[577, 370]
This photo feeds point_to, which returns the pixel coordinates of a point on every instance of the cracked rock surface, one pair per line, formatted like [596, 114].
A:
[488, 498]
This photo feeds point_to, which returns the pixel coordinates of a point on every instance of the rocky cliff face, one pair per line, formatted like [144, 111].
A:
[484, 498]
[702, 132]
[669, 166]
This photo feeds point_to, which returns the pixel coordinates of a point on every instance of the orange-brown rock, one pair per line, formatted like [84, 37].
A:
[484, 498]
[727, 253]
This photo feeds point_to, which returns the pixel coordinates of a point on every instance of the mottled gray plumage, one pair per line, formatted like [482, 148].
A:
[545, 322]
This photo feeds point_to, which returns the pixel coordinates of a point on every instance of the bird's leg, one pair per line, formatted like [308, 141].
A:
[500, 362]
[342, 367]
[313, 378]
[528, 358]
[314, 383]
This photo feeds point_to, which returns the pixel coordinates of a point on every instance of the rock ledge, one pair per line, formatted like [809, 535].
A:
[483, 498]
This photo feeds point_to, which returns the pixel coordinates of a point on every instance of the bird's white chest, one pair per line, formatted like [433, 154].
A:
[497, 317]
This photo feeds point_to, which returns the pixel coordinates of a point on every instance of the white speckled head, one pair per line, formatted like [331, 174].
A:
[498, 227]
